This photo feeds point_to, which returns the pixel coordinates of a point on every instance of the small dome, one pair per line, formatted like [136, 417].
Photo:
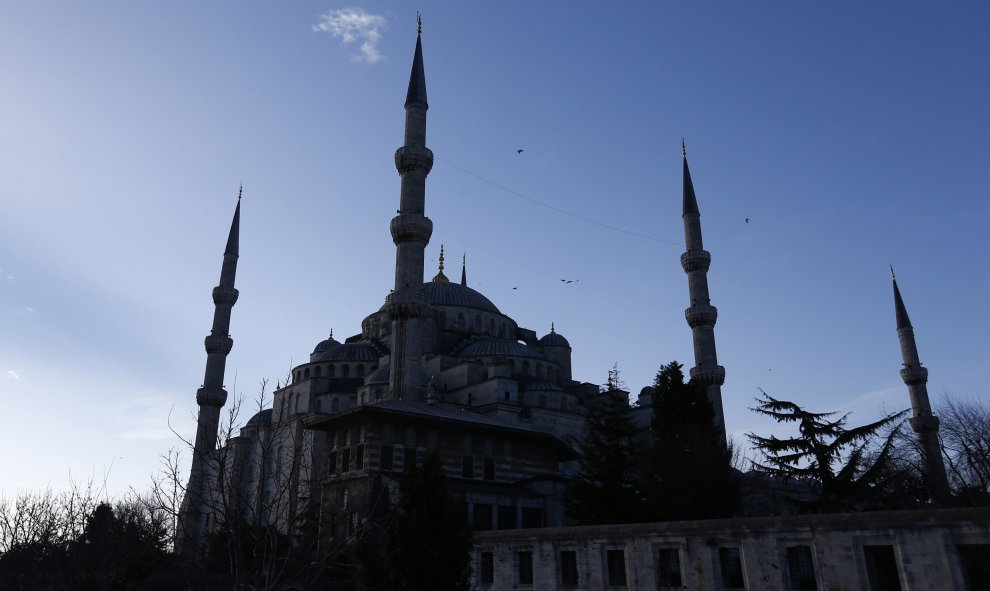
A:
[323, 346]
[553, 339]
[260, 419]
[379, 376]
[346, 352]
[499, 348]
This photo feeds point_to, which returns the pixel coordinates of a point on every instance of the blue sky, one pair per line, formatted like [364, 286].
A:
[852, 136]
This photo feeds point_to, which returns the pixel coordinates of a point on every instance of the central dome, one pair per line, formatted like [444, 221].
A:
[455, 294]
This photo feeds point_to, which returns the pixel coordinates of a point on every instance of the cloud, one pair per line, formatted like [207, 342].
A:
[13, 375]
[354, 25]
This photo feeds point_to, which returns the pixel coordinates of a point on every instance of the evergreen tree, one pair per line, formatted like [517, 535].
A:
[687, 473]
[428, 542]
[846, 472]
[605, 488]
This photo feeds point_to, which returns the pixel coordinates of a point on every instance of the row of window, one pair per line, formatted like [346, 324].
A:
[331, 371]
[485, 517]
[882, 571]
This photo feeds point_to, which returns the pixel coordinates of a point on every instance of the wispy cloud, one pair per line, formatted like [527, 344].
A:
[13, 375]
[353, 25]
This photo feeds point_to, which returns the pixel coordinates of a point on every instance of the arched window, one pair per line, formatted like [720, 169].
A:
[319, 405]
[360, 369]
[525, 367]
[317, 371]
[460, 320]
[331, 369]
[345, 371]
[477, 322]
[298, 376]
[491, 326]
[443, 319]
[306, 374]
[335, 405]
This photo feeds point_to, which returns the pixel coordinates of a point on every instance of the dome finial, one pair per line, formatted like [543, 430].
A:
[464, 269]
[419, 23]
[892, 276]
[331, 333]
[440, 277]
[553, 329]
[240, 190]
[683, 148]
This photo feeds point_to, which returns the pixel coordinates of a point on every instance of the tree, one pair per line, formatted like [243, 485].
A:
[428, 542]
[605, 488]
[687, 473]
[837, 461]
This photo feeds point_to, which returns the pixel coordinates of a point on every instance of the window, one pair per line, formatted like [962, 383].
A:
[359, 457]
[568, 569]
[525, 560]
[330, 370]
[332, 462]
[306, 374]
[319, 405]
[669, 568]
[360, 369]
[345, 371]
[508, 396]
[489, 469]
[615, 565]
[506, 517]
[410, 459]
[532, 517]
[974, 562]
[881, 568]
[335, 405]
[345, 462]
[730, 566]
[801, 568]
[482, 517]
[317, 371]
[487, 568]
[467, 466]
[352, 523]
[385, 461]
[477, 322]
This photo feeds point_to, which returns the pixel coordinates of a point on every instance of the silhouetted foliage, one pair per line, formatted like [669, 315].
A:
[687, 473]
[428, 542]
[605, 489]
[844, 470]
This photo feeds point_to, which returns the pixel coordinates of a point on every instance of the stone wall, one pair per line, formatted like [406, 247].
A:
[911, 550]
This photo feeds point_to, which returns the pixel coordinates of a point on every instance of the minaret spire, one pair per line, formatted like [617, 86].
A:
[440, 277]
[701, 315]
[411, 231]
[924, 423]
[464, 269]
[211, 396]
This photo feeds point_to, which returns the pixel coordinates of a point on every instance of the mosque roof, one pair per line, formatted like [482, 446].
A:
[455, 294]
[498, 347]
[553, 340]
[346, 352]
[326, 344]
[261, 418]
[380, 376]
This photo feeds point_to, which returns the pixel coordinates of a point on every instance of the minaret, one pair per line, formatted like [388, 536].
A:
[411, 231]
[211, 396]
[701, 315]
[464, 270]
[924, 423]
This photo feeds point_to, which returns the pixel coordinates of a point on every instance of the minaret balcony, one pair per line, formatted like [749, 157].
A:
[211, 396]
[404, 305]
[701, 315]
[924, 424]
[914, 375]
[409, 158]
[215, 343]
[225, 296]
[411, 227]
[696, 260]
[708, 375]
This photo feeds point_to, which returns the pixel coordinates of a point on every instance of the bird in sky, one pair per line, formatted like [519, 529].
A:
[519, 151]
[747, 220]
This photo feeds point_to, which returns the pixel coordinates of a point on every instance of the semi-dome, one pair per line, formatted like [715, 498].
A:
[498, 348]
[455, 294]
[260, 419]
[379, 376]
[347, 352]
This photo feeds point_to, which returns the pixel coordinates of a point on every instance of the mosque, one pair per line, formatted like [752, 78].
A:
[437, 368]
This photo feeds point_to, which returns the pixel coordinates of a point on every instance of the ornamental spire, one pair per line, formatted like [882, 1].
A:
[440, 277]
[233, 238]
[690, 202]
[417, 78]
[464, 269]
[903, 321]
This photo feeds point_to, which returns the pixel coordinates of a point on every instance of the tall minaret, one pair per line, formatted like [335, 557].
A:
[211, 396]
[411, 231]
[924, 423]
[701, 315]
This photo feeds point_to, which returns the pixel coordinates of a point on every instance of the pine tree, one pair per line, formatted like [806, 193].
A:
[687, 473]
[428, 542]
[605, 488]
[837, 460]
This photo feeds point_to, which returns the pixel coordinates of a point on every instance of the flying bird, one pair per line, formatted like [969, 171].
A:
[519, 151]
[515, 287]
[747, 220]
